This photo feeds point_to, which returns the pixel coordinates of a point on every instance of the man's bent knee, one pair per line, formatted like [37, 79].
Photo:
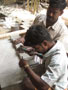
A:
[28, 84]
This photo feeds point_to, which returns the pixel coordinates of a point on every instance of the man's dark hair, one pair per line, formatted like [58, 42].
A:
[36, 34]
[61, 4]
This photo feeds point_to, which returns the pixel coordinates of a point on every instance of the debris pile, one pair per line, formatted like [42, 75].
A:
[65, 16]
[15, 18]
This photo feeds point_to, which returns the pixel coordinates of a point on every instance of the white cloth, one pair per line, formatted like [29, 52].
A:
[38, 59]
[57, 31]
[10, 72]
[56, 67]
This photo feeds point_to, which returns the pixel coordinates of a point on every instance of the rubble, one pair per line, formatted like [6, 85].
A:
[16, 18]
[2, 16]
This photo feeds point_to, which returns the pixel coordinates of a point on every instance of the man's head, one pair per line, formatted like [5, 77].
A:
[55, 10]
[38, 38]
[60, 4]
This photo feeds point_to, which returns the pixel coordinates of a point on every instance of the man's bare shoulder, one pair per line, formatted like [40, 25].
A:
[39, 18]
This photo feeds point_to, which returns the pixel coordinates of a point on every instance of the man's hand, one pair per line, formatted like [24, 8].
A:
[23, 63]
[19, 40]
[28, 50]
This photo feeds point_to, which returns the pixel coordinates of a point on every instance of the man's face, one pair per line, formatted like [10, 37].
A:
[53, 14]
[41, 48]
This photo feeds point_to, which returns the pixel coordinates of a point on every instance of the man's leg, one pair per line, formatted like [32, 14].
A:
[0, 88]
[27, 84]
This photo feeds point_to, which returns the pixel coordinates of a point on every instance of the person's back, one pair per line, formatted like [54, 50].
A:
[56, 64]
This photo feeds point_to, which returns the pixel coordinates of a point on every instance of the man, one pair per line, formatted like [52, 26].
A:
[54, 58]
[53, 21]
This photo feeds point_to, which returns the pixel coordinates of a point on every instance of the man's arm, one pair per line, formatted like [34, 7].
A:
[40, 20]
[36, 80]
